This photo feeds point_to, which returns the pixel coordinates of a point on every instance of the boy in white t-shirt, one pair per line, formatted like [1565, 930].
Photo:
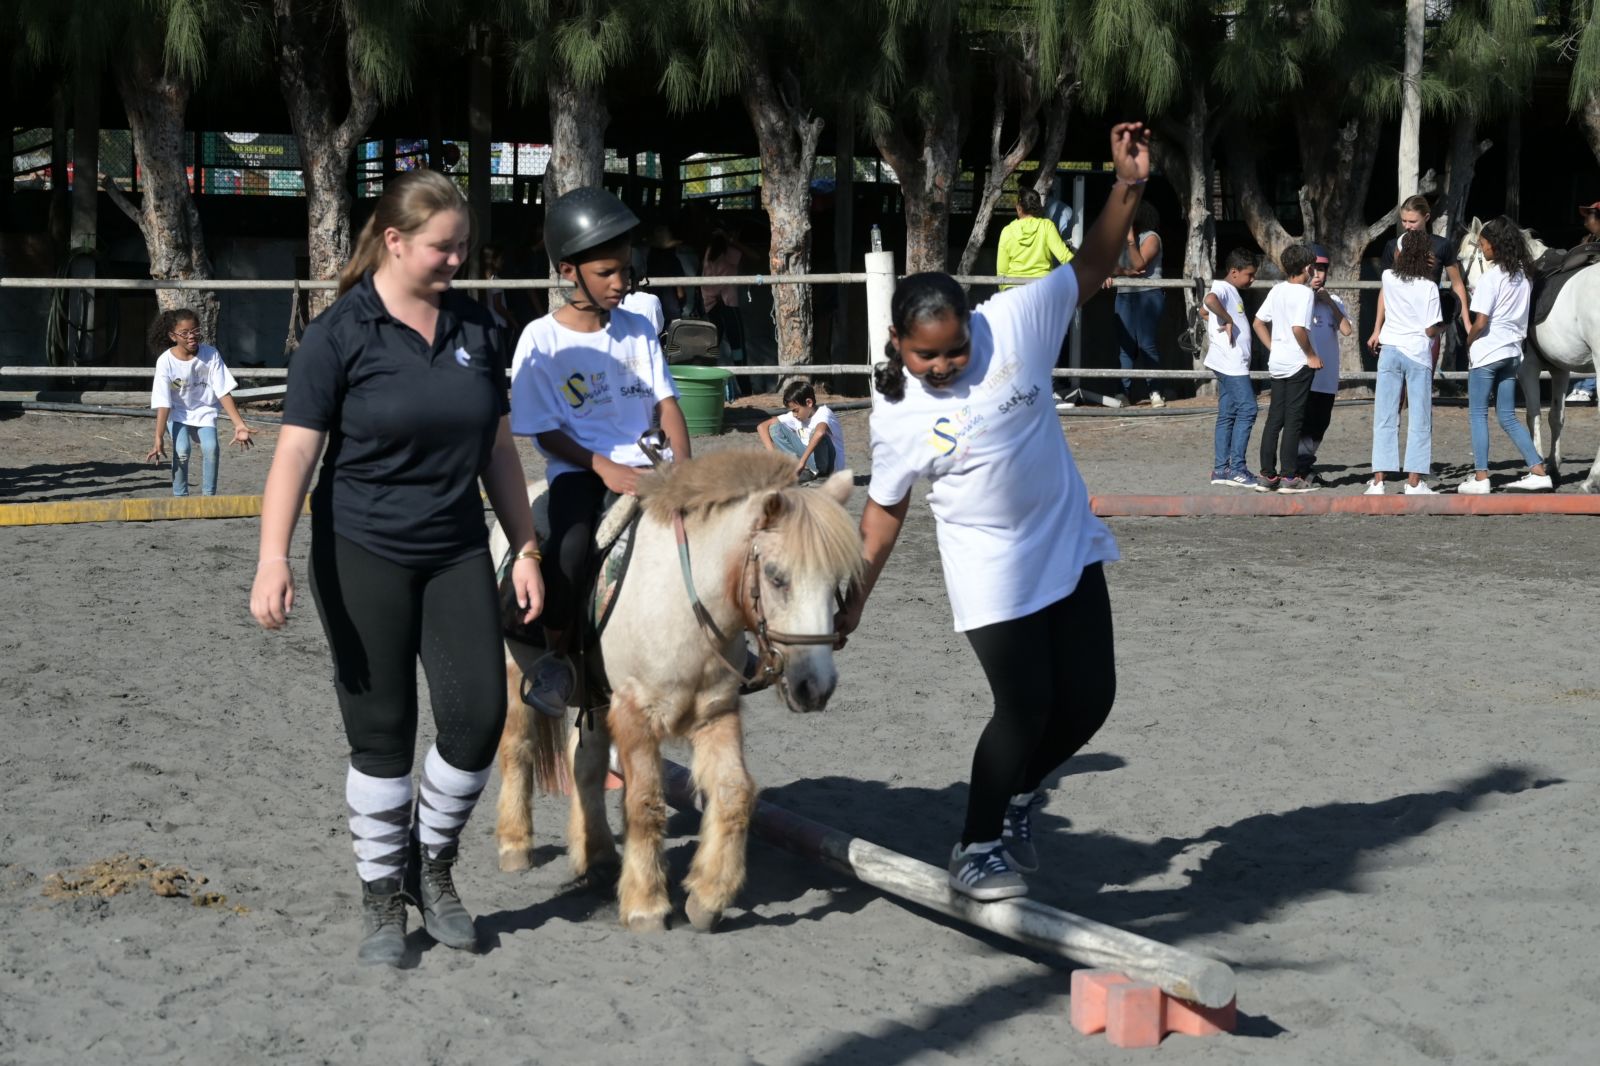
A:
[191, 382]
[587, 381]
[1329, 321]
[1228, 357]
[808, 432]
[1292, 364]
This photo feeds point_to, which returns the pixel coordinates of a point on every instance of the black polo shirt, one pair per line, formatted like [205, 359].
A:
[410, 424]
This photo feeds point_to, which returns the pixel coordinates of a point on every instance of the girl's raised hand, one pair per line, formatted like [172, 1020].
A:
[1130, 151]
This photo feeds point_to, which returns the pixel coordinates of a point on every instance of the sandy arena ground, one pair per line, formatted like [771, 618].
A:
[1354, 758]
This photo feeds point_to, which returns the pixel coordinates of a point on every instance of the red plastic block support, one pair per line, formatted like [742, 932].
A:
[1137, 1014]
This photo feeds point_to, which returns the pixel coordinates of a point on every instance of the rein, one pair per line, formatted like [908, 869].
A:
[770, 661]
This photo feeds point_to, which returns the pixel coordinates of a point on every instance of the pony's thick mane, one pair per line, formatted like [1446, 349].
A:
[818, 534]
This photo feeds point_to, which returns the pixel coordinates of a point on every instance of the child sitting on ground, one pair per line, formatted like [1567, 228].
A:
[1228, 358]
[808, 432]
[587, 381]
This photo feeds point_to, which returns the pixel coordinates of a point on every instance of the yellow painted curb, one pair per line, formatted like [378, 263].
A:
[151, 509]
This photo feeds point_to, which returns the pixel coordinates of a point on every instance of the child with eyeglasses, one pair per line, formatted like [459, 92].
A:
[191, 382]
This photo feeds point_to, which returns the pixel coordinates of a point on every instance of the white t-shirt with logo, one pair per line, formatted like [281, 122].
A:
[1012, 512]
[1410, 306]
[598, 388]
[1325, 339]
[648, 305]
[1231, 359]
[822, 416]
[1287, 305]
[1504, 298]
[193, 388]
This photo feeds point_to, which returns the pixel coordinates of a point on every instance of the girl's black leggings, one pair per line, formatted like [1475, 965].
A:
[1054, 678]
[381, 618]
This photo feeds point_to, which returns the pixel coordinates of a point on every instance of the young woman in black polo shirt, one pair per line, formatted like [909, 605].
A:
[403, 380]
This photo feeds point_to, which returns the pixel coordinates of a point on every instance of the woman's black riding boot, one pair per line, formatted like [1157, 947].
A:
[383, 918]
[434, 889]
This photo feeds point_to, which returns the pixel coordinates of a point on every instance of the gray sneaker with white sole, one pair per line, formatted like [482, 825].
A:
[985, 875]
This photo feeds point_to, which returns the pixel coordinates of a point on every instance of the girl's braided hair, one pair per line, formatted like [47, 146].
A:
[917, 298]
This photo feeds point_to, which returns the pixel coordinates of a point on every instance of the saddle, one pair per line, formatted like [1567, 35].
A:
[1552, 272]
[691, 340]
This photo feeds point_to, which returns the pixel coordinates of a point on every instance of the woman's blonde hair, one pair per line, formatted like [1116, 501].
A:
[406, 205]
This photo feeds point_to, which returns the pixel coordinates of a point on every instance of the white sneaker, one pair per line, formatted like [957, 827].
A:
[1374, 488]
[1420, 489]
[1473, 487]
[1580, 396]
[1157, 400]
[1532, 483]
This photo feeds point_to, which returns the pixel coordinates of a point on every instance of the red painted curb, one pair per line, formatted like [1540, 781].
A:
[1278, 505]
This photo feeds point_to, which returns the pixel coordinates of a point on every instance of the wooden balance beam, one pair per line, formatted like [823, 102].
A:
[1178, 973]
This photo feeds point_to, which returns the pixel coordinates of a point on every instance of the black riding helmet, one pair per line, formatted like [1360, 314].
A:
[584, 219]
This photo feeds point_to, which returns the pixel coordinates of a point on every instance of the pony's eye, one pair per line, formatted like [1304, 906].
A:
[775, 577]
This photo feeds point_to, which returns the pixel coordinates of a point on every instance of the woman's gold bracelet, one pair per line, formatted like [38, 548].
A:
[529, 553]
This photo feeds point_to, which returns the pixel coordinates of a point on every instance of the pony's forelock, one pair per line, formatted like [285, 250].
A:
[817, 534]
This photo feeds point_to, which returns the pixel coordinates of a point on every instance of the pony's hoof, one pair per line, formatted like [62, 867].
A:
[702, 919]
[516, 860]
[647, 923]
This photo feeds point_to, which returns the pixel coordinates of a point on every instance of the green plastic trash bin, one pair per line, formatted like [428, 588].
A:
[701, 393]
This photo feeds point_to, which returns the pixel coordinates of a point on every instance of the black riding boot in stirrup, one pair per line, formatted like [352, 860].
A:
[434, 889]
[383, 919]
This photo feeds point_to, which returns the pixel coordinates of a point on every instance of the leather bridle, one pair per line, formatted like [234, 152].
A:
[770, 661]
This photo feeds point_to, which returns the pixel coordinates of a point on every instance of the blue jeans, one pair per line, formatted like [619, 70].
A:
[1138, 317]
[1395, 371]
[181, 438]
[1587, 385]
[1236, 416]
[820, 462]
[1499, 378]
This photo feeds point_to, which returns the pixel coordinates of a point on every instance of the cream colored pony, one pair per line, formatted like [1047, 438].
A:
[765, 554]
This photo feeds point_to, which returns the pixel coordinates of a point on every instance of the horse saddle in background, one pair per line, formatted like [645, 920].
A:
[691, 340]
[1554, 268]
[613, 549]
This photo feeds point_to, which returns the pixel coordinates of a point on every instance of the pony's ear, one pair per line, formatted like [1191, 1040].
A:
[839, 486]
[773, 507]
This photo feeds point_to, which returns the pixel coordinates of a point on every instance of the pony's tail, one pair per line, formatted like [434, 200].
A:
[551, 774]
[889, 376]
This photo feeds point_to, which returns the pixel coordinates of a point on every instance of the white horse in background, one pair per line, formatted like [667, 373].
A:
[1564, 343]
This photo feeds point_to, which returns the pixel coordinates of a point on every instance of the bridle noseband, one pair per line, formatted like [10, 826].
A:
[770, 660]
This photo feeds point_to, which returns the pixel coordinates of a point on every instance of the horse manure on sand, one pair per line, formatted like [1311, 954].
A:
[105, 878]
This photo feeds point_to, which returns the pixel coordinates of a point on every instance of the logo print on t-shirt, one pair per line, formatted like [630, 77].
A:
[950, 432]
[463, 357]
[576, 390]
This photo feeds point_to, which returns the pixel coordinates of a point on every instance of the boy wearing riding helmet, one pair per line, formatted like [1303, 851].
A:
[587, 381]
[964, 400]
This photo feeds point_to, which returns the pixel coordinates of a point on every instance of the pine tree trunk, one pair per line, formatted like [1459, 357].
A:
[927, 167]
[1018, 81]
[155, 101]
[1193, 179]
[1460, 169]
[1410, 164]
[325, 142]
[787, 138]
[578, 120]
[1589, 119]
[1514, 162]
[1057, 114]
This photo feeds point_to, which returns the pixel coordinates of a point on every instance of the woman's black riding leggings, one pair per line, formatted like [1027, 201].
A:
[1054, 678]
[382, 617]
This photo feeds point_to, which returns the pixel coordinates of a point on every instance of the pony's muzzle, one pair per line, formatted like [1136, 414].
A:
[809, 685]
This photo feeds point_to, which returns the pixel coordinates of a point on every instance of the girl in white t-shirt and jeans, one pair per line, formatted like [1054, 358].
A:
[964, 400]
[1499, 324]
[1412, 320]
[191, 382]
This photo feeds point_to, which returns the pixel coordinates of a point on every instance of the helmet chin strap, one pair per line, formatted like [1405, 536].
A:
[593, 306]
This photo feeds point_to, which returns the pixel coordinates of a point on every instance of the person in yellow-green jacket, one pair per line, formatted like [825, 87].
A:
[1031, 246]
